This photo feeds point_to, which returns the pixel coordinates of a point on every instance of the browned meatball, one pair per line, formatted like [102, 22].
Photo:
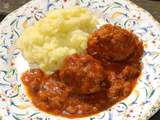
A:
[111, 43]
[122, 83]
[52, 94]
[119, 87]
[82, 73]
[129, 73]
[33, 78]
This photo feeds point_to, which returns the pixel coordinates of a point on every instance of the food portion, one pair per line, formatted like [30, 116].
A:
[47, 92]
[122, 83]
[86, 82]
[112, 43]
[61, 33]
[83, 74]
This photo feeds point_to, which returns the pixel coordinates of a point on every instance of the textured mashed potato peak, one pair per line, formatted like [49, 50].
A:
[61, 33]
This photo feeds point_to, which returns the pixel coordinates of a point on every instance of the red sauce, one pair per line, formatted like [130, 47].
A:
[86, 84]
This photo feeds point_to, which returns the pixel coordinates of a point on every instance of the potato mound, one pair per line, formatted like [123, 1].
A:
[61, 33]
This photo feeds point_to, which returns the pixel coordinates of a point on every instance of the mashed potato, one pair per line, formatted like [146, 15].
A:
[62, 32]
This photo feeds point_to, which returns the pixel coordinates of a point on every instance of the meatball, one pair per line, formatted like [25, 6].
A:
[129, 73]
[119, 87]
[111, 43]
[121, 83]
[82, 73]
[53, 93]
[118, 90]
[33, 78]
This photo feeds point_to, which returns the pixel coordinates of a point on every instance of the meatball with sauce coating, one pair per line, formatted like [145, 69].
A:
[111, 43]
[33, 78]
[129, 72]
[122, 83]
[82, 73]
[52, 92]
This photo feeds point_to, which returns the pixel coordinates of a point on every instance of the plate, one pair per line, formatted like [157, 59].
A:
[143, 102]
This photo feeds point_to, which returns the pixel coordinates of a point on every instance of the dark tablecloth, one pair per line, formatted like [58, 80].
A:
[153, 6]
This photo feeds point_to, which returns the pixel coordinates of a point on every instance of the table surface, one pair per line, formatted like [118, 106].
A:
[153, 6]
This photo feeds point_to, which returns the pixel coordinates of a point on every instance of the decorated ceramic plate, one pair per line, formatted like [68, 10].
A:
[142, 103]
